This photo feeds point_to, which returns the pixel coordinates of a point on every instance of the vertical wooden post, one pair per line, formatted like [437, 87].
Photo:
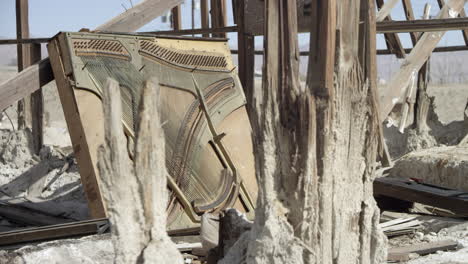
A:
[37, 108]
[176, 19]
[218, 16]
[22, 31]
[205, 13]
[246, 56]
[422, 99]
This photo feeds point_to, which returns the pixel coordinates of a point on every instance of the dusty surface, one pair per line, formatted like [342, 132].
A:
[86, 250]
[447, 120]
[444, 166]
[435, 229]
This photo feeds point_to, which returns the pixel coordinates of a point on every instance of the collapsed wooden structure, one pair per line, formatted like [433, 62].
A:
[35, 73]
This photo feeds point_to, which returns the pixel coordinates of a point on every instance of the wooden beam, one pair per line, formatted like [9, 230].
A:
[386, 9]
[461, 14]
[392, 40]
[246, 57]
[430, 25]
[397, 86]
[194, 31]
[205, 16]
[23, 41]
[138, 16]
[22, 31]
[218, 16]
[424, 248]
[37, 108]
[411, 191]
[408, 7]
[322, 48]
[176, 18]
[25, 82]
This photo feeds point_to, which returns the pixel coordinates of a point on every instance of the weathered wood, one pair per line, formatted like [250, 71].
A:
[25, 82]
[392, 40]
[408, 7]
[425, 248]
[423, 101]
[314, 142]
[462, 14]
[138, 16]
[430, 25]
[176, 18]
[27, 216]
[421, 193]
[194, 31]
[396, 88]
[246, 57]
[218, 16]
[81, 142]
[22, 31]
[37, 107]
[23, 41]
[205, 16]
[386, 9]
[136, 192]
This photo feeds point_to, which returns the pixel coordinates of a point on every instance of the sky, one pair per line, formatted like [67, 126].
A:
[47, 17]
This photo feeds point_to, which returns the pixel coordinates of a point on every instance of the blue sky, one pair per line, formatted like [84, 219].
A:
[47, 17]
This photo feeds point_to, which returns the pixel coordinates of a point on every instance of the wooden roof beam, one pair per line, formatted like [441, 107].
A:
[408, 7]
[392, 40]
[430, 25]
[462, 14]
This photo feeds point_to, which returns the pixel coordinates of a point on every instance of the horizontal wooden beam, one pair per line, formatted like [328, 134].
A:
[23, 41]
[25, 82]
[380, 51]
[194, 31]
[429, 25]
[411, 191]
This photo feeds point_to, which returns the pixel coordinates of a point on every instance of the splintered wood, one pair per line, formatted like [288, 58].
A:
[136, 191]
[316, 145]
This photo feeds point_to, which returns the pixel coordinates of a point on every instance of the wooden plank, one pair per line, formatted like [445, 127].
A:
[22, 31]
[139, 15]
[246, 58]
[422, 193]
[322, 57]
[176, 18]
[461, 14]
[408, 7]
[386, 9]
[81, 228]
[25, 82]
[218, 16]
[205, 16]
[37, 108]
[194, 31]
[82, 141]
[392, 40]
[397, 86]
[23, 41]
[27, 216]
[430, 25]
[425, 248]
